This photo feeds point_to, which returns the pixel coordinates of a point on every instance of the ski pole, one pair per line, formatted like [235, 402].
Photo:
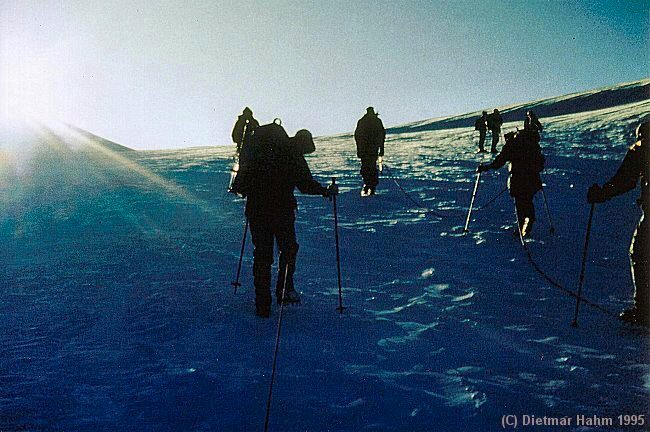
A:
[338, 253]
[584, 263]
[275, 353]
[236, 283]
[548, 213]
[471, 203]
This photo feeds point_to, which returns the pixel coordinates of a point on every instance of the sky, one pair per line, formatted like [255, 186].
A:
[167, 74]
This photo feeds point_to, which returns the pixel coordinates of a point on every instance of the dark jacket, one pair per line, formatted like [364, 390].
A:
[270, 168]
[635, 166]
[494, 121]
[533, 124]
[370, 136]
[244, 126]
[526, 162]
[480, 124]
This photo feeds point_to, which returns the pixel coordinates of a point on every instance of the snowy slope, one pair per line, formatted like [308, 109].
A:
[621, 94]
[118, 312]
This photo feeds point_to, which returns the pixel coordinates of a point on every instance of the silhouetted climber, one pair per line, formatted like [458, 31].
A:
[271, 166]
[532, 122]
[635, 166]
[494, 122]
[244, 126]
[369, 136]
[526, 162]
[481, 126]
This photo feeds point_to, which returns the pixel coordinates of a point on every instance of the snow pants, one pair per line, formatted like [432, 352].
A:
[496, 134]
[639, 261]
[264, 233]
[369, 171]
[481, 139]
[525, 209]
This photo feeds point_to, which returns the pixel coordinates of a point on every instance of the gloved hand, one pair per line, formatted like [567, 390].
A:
[595, 194]
[482, 168]
[237, 192]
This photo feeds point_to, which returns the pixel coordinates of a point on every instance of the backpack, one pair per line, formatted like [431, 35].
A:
[264, 153]
[530, 140]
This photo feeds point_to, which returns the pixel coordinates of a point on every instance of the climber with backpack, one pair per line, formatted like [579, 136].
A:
[481, 126]
[272, 165]
[634, 169]
[244, 127]
[369, 137]
[494, 123]
[523, 152]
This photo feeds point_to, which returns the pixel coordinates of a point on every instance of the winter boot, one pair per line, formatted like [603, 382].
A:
[263, 310]
[287, 268]
[291, 296]
[527, 227]
[263, 303]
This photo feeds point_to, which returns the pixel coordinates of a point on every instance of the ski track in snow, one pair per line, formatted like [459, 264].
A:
[118, 313]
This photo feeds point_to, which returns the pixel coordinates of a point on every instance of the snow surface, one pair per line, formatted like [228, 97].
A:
[118, 313]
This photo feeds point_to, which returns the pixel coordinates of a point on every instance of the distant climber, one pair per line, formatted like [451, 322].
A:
[370, 136]
[272, 165]
[494, 122]
[244, 126]
[481, 126]
[532, 123]
[523, 152]
[635, 167]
